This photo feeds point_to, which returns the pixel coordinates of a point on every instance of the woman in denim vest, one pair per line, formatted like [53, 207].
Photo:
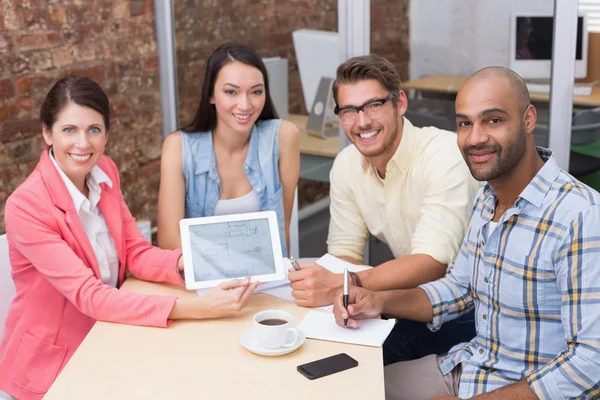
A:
[235, 157]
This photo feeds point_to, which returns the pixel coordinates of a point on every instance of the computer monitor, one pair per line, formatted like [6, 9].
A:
[277, 70]
[531, 37]
[318, 55]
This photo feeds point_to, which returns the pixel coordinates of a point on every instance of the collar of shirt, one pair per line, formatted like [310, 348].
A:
[93, 180]
[403, 155]
[534, 193]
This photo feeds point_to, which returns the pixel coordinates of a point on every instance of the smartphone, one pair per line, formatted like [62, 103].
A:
[327, 366]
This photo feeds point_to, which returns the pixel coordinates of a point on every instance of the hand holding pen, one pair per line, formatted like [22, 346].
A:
[345, 295]
[361, 304]
[295, 264]
[312, 284]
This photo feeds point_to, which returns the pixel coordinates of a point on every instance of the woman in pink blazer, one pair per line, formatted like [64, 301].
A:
[71, 239]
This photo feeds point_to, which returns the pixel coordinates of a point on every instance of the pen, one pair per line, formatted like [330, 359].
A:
[295, 264]
[345, 296]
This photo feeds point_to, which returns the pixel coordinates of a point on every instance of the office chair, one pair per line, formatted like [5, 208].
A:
[584, 158]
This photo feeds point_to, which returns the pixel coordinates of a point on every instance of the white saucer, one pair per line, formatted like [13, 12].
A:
[250, 341]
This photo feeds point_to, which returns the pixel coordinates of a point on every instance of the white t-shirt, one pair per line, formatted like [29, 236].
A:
[489, 229]
[250, 202]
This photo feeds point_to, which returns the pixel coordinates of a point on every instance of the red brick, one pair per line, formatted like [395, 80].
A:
[120, 107]
[28, 84]
[22, 108]
[3, 111]
[42, 40]
[7, 89]
[150, 64]
[15, 130]
[95, 73]
[112, 69]
[140, 7]
[5, 160]
[57, 15]
[152, 168]
[83, 34]
[62, 56]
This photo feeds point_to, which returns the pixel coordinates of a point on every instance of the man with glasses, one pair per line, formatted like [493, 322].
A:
[407, 186]
[528, 266]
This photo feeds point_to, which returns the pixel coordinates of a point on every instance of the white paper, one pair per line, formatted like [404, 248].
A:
[337, 265]
[321, 325]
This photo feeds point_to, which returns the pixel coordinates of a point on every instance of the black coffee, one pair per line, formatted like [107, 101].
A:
[273, 321]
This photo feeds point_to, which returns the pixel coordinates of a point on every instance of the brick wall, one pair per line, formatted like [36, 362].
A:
[267, 25]
[113, 42]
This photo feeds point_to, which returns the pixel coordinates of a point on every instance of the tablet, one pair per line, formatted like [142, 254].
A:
[225, 247]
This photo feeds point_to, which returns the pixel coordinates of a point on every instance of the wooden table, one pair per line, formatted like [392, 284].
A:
[205, 360]
[316, 154]
[450, 84]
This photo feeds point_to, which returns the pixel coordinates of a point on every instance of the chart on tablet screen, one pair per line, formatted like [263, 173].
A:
[231, 249]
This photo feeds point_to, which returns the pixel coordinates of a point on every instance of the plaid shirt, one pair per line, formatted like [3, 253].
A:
[535, 286]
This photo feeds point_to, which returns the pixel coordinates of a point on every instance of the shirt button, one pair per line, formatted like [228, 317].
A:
[257, 190]
[480, 351]
[485, 279]
[484, 317]
[245, 166]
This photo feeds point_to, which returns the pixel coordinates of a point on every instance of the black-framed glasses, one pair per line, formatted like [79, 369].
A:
[373, 109]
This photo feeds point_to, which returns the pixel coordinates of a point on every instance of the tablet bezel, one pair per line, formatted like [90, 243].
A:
[186, 223]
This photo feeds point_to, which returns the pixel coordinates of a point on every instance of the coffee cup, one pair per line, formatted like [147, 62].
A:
[274, 329]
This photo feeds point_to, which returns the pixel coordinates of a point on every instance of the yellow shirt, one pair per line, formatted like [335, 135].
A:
[421, 207]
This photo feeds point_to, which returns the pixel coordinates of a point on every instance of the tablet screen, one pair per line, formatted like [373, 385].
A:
[236, 249]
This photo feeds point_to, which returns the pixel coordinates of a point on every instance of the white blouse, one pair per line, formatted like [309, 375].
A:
[93, 222]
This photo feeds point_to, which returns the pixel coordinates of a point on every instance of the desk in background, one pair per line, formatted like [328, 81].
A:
[204, 359]
[316, 154]
[450, 84]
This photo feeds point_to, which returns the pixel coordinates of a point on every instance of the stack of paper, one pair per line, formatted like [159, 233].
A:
[321, 325]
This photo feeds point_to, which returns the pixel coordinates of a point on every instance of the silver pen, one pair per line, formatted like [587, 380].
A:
[295, 264]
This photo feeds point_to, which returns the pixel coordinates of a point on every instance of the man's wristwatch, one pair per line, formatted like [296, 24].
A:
[355, 279]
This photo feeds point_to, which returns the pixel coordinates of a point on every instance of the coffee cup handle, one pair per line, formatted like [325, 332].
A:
[291, 332]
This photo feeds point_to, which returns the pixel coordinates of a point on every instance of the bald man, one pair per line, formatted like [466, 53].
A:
[529, 266]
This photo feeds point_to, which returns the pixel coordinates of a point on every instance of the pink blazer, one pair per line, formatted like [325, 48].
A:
[59, 291]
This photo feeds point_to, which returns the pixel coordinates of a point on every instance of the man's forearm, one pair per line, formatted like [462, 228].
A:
[403, 273]
[516, 391]
[413, 304]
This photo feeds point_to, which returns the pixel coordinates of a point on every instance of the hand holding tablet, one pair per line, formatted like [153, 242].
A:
[226, 300]
[221, 248]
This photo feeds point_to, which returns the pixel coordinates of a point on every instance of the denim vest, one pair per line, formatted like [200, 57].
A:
[202, 189]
